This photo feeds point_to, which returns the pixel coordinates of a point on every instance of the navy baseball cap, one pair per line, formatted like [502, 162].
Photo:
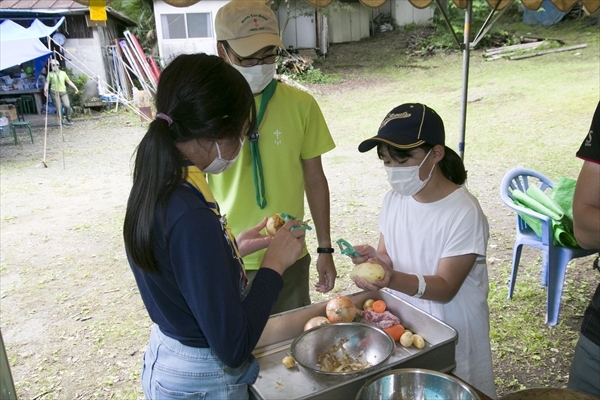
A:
[408, 126]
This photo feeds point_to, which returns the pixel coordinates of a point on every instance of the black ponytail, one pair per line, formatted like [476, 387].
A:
[199, 97]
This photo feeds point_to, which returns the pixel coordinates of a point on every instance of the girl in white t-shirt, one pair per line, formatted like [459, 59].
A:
[433, 235]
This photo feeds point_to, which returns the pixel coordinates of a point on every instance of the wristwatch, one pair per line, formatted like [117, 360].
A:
[325, 250]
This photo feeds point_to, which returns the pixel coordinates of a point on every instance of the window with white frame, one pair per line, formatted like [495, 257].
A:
[184, 26]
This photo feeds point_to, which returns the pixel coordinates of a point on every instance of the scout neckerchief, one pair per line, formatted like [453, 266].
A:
[197, 182]
[259, 180]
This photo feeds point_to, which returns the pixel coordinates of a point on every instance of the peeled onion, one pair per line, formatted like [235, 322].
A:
[288, 362]
[368, 305]
[418, 341]
[406, 339]
[274, 222]
[315, 321]
[340, 309]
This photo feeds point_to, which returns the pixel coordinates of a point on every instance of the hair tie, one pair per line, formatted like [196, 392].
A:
[164, 117]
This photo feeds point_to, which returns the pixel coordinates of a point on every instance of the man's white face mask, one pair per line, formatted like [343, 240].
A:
[258, 76]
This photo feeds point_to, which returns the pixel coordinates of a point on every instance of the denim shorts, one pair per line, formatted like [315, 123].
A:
[172, 370]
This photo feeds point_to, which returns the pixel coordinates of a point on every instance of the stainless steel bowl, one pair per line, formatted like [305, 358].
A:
[365, 343]
[415, 383]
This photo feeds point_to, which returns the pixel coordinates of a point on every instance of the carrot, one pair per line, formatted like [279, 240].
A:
[379, 306]
[395, 331]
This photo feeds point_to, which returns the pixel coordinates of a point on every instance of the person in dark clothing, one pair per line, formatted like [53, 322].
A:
[187, 264]
[584, 375]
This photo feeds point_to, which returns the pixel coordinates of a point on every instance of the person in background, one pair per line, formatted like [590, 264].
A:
[187, 264]
[584, 375]
[433, 235]
[57, 80]
[282, 160]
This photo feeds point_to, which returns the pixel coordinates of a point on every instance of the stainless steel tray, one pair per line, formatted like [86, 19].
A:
[277, 382]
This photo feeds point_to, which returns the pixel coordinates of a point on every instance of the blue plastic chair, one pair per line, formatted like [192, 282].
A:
[554, 257]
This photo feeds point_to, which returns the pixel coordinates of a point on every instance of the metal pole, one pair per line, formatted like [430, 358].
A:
[465, 85]
[443, 12]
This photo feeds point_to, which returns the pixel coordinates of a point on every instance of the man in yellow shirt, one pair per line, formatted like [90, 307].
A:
[57, 80]
[281, 163]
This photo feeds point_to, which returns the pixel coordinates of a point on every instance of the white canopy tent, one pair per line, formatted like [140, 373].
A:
[19, 44]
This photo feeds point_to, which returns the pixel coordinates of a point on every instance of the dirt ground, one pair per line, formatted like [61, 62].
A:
[71, 317]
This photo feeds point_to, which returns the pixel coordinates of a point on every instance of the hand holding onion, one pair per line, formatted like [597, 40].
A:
[285, 248]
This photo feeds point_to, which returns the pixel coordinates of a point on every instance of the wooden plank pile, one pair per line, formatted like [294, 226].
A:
[525, 50]
[295, 64]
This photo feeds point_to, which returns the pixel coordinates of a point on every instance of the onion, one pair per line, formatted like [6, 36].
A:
[340, 309]
[274, 222]
[315, 321]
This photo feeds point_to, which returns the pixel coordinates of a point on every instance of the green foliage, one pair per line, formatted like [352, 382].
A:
[315, 76]
[79, 81]
[143, 14]
[444, 38]
[411, 27]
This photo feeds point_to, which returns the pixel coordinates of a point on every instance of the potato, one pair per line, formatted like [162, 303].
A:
[288, 362]
[368, 305]
[406, 339]
[368, 271]
[418, 341]
[274, 222]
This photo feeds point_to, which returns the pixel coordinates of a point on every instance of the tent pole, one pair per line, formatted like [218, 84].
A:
[487, 25]
[465, 85]
[443, 12]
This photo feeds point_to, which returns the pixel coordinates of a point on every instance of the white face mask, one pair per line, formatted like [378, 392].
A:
[259, 76]
[405, 180]
[220, 164]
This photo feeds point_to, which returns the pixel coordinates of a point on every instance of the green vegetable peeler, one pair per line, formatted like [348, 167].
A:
[303, 225]
[346, 248]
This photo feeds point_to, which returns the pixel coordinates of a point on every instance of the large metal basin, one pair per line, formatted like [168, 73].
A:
[415, 383]
[277, 382]
[363, 343]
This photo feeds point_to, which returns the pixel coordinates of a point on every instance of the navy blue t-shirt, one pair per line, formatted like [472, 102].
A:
[196, 298]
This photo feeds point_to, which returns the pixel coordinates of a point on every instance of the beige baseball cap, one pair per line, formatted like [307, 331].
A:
[247, 26]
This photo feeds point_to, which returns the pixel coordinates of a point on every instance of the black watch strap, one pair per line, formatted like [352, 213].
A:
[325, 250]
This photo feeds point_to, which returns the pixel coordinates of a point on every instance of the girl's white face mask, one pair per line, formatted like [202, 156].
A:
[405, 180]
[220, 164]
